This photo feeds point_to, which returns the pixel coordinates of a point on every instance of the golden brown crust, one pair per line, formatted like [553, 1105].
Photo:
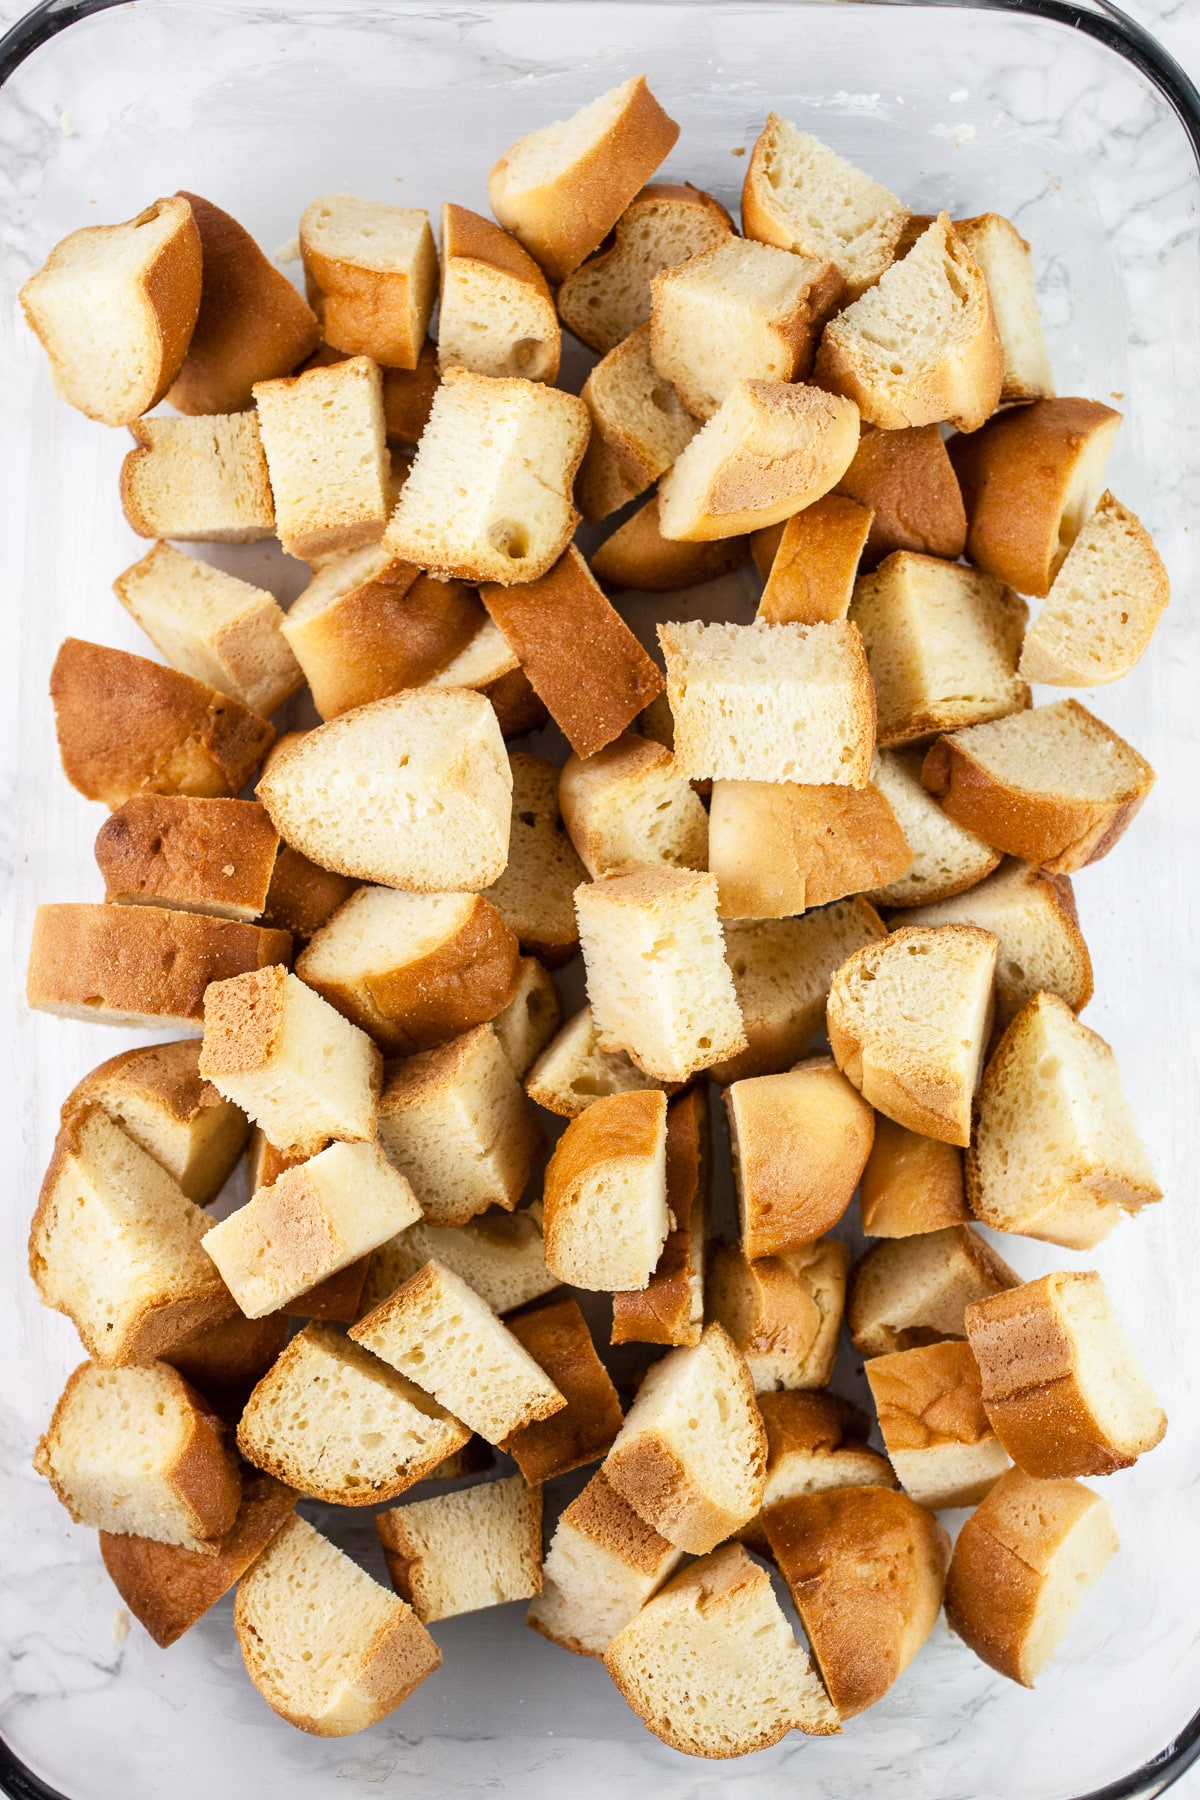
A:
[395, 631]
[801, 1140]
[910, 1183]
[557, 1338]
[664, 1311]
[808, 1422]
[366, 311]
[338, 1297]
[810, 580]
[518, 710]
[469, 235]
[600, 1513]
[617, 1125]
[928, 1396]
[637, 555]
[166, 1074]
[226, 1361]
[782, 1312]
[408, 396]
[207, 855]
[302, 896]
[781, 848]
[908, 480]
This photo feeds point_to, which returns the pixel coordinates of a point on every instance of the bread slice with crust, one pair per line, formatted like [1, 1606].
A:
[371, 272]
[534, 895]
[639, 426]
[603, 1564]
[199, 480]
[780, 847]
[670, 1308]
[606, 1214]
[911, 1184]
[456, 1553]
[302, 896]
[799, 1142]
[324, 440]
[500, 1255]
[1106, 600]
[190, 854]
[495, 312]
[558, 1339]
[914, 1290]
[930, 1406]
[783, 1312]
[946, 858]
[815, 1441]
[908, 481]
[627, 804]
[531, 1018]
[813, 562]
[225, 1362]
[1003, 255]
[637, 555]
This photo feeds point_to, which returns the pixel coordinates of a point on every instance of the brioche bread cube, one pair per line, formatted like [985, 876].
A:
[1030, 481]
[455, 1121]
[225, 1362]
[1021, 1565]
[573, 1072]
[770, 702]
[371, 271]
[456, 1553]
[779, 847]
[562, 188]
[413, 791]
[500, 1255]
[914, 1290]
[525, 1026]
[799, 1143]
[113, 306]
[1056, 1153]
[803, 196]
[657, 979]
[942, 645]
[324, 440]
[782, 1312]
[138, 1451]
[606, 1217]
[200, 480]
[909, 1020]
[496, 313]
[1106, 600]
[1003, 255]
[866, 1568]
[670, 1308]
[907, 479]
[930, 1406]
[158, 1097]
[911, 1184]
[810, 575]
[127, 726]
[770, 450]
[558, 1339]
[188, 854]
[639, 427]
[489, 497]
[637, 555]
[302, 896]
[691, 1454]
[292, 1063]
[946, 858]
[1053, 785]
[816, 1441]
[328, 1648]
[603, 1563]
[414, 970]
[716, 1630]
[626, 805]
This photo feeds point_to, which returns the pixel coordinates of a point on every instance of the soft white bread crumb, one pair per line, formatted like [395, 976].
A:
[534, 896]
[326, 449]
[799, 1143]
[628, 804]
[456, 1553]
[1106, 600]
[198, 480]
[915, 1290]
[1003, 255]
[930, 1406]
[531, 1018]
[371, 271]
[946, 858]
[603, 1564]
[495, 314]
[639, 427]
[783, 1311]
[573, 1072]
[779, 847]
[606, 1217]
[501, 1255]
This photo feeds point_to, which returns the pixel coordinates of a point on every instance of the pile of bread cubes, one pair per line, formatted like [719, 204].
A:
[844, 819]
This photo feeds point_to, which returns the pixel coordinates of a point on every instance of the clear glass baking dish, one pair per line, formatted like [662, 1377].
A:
[1051, 113]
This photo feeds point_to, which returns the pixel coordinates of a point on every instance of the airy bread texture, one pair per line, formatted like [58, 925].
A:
[670, 1308]
[326, 449]
[770, 450]
[658, 983]
[770, 702]
[930, 1406]
[338, 1424]
[1056, 1152]
[922, 345]
[496, 314]
[562, 188]
[710, 1664]
[192, 855]
[137, 1450]
[489, 497]
[1021, 1565]
[915, 1290]
[908, 1024]
[637, 555]
[573, 1072]
[201, 480]
[114, 307]
[456, 1553]
[329, 1650]
[691, 1456]
[946, 859]
[413, 791]
[438, 1331]
[810, 574]
[558, 1339]
[782, 1312]
[628, 805]
[606, 1217]
[500, 1255]
[531, 1018]
[1106, 600]
[908, 481]
[1053, 785]
[603, 1564]
[371, 271]
[1003, 255]
[910, 1184]
[778, 847]
[815, 1441]
[127, 726]
[1063, 1389]
[302, 896]
[639, 427]
[799, 1143]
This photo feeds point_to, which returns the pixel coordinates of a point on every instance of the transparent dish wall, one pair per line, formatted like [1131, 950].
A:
[260, 111]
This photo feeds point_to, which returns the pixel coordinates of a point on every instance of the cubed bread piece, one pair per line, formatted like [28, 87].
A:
[910, 1184]
[781, 970]
[930, 1406]
[909, 1020]
[1106, 600]
[573, 1072]
[488, 666]
[717, 1631]
[127, 726]
[496, 313]
[413, 791]
[946, 858]
[799, 1143]
[942, 645]
[212, 626]
[670, 1308]
[189, 854]
[770, 450]
[658, 982]
[921, 346]
[603, 1563]
[328, 1648]
[225, 1362]
[779, 847]
[1053, 785]
[324, 440]
[414, 970]
[1003, 255]
[371, 271]
[292, 1063]
[158, 1097]
[535, 894]
[816, 1441]
[639, 426]
[138, 1451]
[1021, 1565]
[866, 1568]
[455, 1121]
[770, 702]
[562, 187]
[1056, 1153]
[581, 658]
[627, 805]
[557, 1337]
[302, 896]
[489, 497]
[637, 555]
[337, 1298]
[910, 1291]
[691, 1456]
[1030, 481]
[408, 396]
[531, 1018]
[907, 479]
[782, 1312]
[606, 1217]
[456, 1553]
[803, 196]
[810, 579]
[114, 307]
[500, 1255]
[199, 480]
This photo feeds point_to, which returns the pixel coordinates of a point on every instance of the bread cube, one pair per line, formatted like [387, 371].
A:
[930, 1406]
[911, 1184]
[603, 1564]
[496, 313]
[1003, 255]
[782, 1312]
[188, 854]
[780, 847]
[302, 896]
[908, 481]
[816, 1441]
[946, 858]
[500, 1255]
[1102, 610]
[535, 894]
[670, 1308]
[457, 1553]
[200, 480]
[525, 1026]
[639, 426]
[627, 805]
[324, 440]
[371, 271]
[915, 1290]
[225, 1362]
[573, 1072]
[799, 1141]
[637, 555]
[557, 1338]
[606, 1216]
[810, 576]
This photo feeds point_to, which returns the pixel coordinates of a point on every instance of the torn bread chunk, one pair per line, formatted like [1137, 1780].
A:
[778, 848]
[627, 805]
[603, 1564]
[189, 854]
[670, 1308]
[810, 574]
[908, 481]
[323, 437]
[815, 1441]
[910, 1184]
[1106, 600]
[639, 427]
[1003, 255]
[531, 1018]
[500, 1255]
[200, 480]
[783, 1312]
[371, 271]
[457, 1553]
[915, 1290]
[496, 313]
[606, 1214]
[930, 1406]
[573, 1072]
[557, 1337]
[946, 858]
[637, 555]
[799, 1143]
